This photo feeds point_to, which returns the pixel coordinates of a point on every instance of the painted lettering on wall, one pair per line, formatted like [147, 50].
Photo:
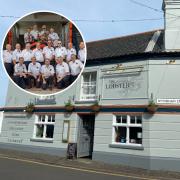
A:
[113, 84]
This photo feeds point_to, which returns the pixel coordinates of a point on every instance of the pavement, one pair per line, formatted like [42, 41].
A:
[16, 165]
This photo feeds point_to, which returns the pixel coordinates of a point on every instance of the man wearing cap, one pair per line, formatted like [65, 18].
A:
[34, 73]
[81, 52]
[20, 73]
[70, 51]
[62, 73]
[44, 31]
[38, 54]
[17, 53]
[75, 66]
[27, 54]
[60, 50]
[47, 72]
[8, 59]
[48, 52]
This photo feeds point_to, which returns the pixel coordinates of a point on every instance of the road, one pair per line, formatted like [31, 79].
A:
[17, 169]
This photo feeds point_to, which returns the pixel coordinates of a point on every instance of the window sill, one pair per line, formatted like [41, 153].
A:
[127, 146]
[41, 140]
[85, 101]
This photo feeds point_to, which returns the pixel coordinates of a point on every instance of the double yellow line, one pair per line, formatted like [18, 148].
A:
[78, 169]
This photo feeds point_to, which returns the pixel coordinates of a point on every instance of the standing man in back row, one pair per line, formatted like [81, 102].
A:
[48, 52]
[8, 58]
[27, 54]
[81, 52]
[38, 54]
[70, 51]
[60, 51]
[17, 53]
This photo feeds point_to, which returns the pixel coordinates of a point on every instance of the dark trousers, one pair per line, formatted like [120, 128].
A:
[49, 83]
[9, 68]
[63, 83]
[20, 81]
[27, 64]
[73, 78]
[32, 79]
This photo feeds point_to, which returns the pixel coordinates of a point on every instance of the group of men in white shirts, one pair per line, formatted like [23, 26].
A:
[48, 67]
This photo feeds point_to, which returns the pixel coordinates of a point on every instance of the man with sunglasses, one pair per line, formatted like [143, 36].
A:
[60, 51]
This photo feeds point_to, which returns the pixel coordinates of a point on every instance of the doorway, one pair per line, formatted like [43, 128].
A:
[85, 135]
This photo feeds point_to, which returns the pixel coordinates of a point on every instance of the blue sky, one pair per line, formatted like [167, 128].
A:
[81, 9]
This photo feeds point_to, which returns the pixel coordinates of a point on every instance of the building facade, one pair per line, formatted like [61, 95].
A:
[122, 76]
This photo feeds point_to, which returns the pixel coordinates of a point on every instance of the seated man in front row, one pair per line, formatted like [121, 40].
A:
[20, 73]
[62, 73]
[34, 73]
[47, 72]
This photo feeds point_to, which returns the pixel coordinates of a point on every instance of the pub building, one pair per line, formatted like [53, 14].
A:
[124, 109]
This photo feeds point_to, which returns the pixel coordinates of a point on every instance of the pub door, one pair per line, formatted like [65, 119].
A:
[85, 139]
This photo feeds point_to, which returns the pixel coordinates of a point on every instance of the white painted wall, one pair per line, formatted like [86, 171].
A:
[172, 25]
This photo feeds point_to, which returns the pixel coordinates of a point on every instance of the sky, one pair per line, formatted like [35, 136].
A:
[102, 11]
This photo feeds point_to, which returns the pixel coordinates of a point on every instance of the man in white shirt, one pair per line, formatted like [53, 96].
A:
[27, 54]
[62, 73]
[53, 36]
[20, 73]
[28, 38]
[47, 72]
[70, 51]
[48, 52]
[60, 50]
[35, 33]
[38, 54]
[16, 53]
[34, 73]
[44, 31]
[81, 52]
[75, 66]
[8, 60]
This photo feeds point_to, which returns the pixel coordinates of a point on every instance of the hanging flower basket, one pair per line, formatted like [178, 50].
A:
[95, 108]
[69, 108]
[30, 108]
[152, 108]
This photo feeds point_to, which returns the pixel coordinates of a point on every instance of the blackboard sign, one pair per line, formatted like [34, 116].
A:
[71, 150]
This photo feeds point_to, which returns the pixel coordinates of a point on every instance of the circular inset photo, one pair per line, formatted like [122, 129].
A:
[44, 53]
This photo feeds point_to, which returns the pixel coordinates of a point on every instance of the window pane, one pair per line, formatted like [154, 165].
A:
[118, 119]
[136, 135]
[39, 118]
[124, 119]
[49, 131]
[132, 119]
[39, 131]
[120, 134]
[49, 118]
[43, 118]
[53, 118]
[139, 120]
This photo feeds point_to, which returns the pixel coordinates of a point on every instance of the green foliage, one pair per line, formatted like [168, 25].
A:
[29, 108]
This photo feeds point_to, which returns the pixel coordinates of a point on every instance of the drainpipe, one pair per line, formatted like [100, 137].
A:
[10, 37]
